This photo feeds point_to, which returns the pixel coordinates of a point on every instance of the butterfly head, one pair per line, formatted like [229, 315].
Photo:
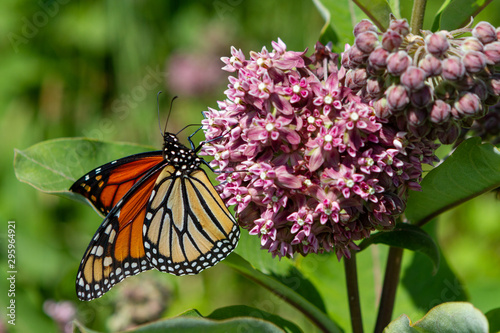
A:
[178, 155]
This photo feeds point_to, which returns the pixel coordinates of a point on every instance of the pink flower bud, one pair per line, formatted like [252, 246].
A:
[381, 108]
[413, 78]
[474, 61]
[400, 26]
[398, 62]
[472, 44]
[492, 53]
[391, 40]
[378, 59]
[485, 32]
[373, 87]
[431, 65]
[355, 57]
[493, 85]
[364, 26]
[367, 41]
[356, 78]
[468, 104]
[416, 116]
[397, 97]
[421, 98]
[440, 112]
[437, 44]
[453, 68]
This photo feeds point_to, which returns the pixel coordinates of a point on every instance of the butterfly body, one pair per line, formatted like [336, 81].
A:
[162, 212]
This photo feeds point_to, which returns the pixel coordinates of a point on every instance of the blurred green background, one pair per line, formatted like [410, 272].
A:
[73, 68]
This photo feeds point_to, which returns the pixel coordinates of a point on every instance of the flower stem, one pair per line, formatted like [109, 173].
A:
[417, 16]
[351, 277]
[391, 281]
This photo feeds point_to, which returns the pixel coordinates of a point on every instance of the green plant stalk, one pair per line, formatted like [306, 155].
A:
[391, 282]
[319, 318]
[351, 279]
[417, 16]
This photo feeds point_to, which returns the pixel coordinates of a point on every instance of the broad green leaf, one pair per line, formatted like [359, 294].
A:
[471, 170]
[445, 318]
[287, 293]
[281, 269]
[378, 11]
[195, 325]
[494, 320]
[455, 14]
[340, 17]
[409, 237]
[248, 311]
[52, 166]
[428, 288]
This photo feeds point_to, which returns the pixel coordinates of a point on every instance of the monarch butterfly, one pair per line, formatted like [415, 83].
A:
[161, 212]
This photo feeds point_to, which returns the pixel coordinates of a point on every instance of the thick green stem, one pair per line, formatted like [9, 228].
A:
[351, 277]
[391, 282]
[417, 16]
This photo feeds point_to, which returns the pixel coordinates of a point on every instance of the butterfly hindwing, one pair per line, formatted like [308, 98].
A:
[107, 184]
[187, 228]
[117, 249]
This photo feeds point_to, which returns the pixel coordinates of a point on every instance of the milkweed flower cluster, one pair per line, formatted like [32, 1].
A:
[315, 157]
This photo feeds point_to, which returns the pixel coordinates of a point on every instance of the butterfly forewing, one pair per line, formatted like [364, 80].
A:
[117, 250]
[187, 227]
[106, 185]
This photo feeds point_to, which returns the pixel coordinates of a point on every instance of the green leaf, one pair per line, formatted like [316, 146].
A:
[192, 324]
[455, 14]
[494, 320]
[377, 10]
[428, 289]
[445, 318]
[287, 293]
[409, 237]
[471, 170]
[53, 166]
[248, 311]
[339, 22]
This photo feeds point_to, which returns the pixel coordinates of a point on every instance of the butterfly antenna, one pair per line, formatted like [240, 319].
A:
[169, 113]
[158, 106]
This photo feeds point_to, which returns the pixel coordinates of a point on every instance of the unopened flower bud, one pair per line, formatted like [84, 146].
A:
[472, 44]
[391, 40]
[378, 59]
[479, 88]
[440, 112]
[355, 57]
[367, 41]
[398, 62]
[422, 97]
[413, 78]
[356, 78]
[485, 32]
[493, 85]
[397, 97]
[381, 108]
[437, 44]
[364, 26]
[374, 87]
[492, 53]
[474, 61]
[468, 105]
[416, 117]
[431, 65]
[453, 68]
[450, 135]
[400, 26]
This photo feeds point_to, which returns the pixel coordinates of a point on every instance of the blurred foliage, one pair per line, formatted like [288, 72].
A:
[93, 69]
